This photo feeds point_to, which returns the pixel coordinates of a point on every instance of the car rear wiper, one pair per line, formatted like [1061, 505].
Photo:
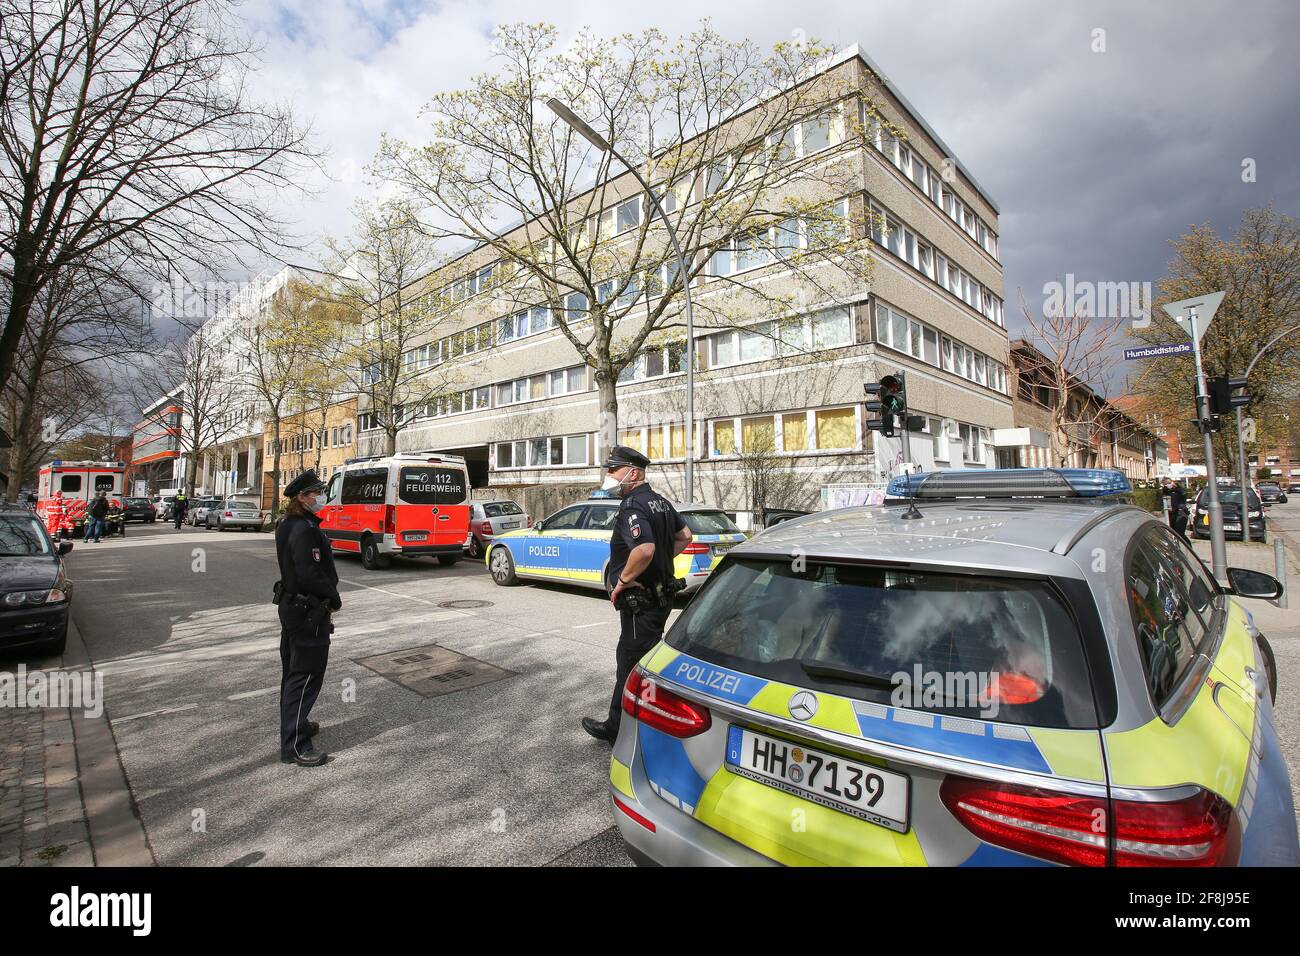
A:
[847, 674]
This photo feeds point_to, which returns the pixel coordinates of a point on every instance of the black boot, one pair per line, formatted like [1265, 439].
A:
[599, 730]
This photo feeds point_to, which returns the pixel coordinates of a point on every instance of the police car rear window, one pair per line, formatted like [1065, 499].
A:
[993, 648]
[709, 522]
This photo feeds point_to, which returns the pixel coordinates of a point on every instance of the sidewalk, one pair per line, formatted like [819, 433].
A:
[64, 799]
[1260, 557]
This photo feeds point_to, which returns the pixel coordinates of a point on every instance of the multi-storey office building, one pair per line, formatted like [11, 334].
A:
[155, 446]
[777, 393]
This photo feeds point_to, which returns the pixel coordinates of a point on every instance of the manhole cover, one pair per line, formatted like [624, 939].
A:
[463, 605]
[433, 671]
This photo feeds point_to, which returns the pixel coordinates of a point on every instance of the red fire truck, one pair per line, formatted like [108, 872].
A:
[64, 490]
[406, 504]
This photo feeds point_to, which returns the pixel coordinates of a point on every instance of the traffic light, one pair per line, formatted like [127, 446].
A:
[889, 402]
[875, 405]
[1222, 401]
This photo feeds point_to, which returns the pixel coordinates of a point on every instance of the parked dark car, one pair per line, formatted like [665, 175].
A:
[139, 509]
[775, 516]
[1271, 493]
[1230, 500]
[35, 592]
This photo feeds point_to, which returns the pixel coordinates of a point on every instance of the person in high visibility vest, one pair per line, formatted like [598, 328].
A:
[54, 515]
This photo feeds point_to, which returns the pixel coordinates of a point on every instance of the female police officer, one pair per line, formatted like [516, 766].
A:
[306, 593]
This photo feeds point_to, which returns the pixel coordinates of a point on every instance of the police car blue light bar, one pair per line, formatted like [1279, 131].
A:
[1010, 483]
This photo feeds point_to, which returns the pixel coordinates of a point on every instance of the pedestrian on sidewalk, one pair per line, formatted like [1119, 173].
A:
[307, 593]
[1177, 506]
[96, 516]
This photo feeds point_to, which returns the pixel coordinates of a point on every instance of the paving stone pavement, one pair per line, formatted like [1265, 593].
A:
[42, 817]
[64, 800]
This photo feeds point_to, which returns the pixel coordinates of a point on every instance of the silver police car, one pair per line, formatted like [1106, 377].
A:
[1006, 668]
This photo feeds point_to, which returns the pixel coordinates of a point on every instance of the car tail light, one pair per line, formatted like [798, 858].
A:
[662, 709]
[1080, 831]
[390, 519]
[634, 815]
[485, 528]
[230, 514]
[695, 548]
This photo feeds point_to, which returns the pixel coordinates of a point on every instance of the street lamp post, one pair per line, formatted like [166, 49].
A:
[598, 141]
[1241, 442]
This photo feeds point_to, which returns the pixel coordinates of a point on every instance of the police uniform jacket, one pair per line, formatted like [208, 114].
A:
[306, 562]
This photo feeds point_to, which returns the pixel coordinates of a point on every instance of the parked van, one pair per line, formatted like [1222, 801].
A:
[407, 505]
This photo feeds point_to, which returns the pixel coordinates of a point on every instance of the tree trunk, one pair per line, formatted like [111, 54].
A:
[390, 440]
[607, 416]
[275, 465]
[22, 295]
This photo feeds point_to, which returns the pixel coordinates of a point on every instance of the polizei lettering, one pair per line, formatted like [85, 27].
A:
[707, 677]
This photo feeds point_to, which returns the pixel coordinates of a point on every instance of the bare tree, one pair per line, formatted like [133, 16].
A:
[740, 146]
[211, 397]
[374, 275]
[1072, 360]
[129, 144]
[80, 322]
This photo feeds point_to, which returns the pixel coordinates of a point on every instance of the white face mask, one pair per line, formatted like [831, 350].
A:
[314, 505]
[610, 483]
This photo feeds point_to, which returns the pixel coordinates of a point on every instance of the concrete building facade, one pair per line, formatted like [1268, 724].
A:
[784, 387]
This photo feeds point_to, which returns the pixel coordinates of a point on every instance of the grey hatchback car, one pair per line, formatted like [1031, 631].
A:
[1013, 668]
[241, 513]
[487, 519]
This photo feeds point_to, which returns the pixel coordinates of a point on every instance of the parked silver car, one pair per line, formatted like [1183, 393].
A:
[487, 519]
[198, 513]
[234, 513]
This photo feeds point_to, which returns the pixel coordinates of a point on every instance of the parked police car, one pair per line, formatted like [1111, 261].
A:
[572, 545]
[1013, 668]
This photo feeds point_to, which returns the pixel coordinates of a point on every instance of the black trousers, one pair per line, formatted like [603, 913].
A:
[179, 518]
[639, 633]
[1178, 521]
[304, 653]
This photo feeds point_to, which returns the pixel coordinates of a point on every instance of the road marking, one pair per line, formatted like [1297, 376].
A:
[253, 693]
[154, 713]
[579, 627]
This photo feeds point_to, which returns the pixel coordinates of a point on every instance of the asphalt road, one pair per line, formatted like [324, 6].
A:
[181, 624]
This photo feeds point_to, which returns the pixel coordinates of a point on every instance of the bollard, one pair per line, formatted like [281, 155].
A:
[1279, 567]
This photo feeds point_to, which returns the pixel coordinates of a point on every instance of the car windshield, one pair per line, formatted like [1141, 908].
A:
[709, 522]
[1228, 496]
[1004, 649]
[137, 501]
[241, 503]
[22, 535]
[495, 509]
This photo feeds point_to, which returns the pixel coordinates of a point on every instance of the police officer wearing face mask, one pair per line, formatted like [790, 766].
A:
[648, 535]
[306, 594]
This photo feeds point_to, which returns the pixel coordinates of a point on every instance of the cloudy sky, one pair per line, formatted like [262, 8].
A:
[1096, 159]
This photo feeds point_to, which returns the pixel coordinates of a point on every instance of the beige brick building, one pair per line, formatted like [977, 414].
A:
[318, 439]
[525, 412]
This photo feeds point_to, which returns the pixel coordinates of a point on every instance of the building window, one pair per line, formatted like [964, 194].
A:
[829, 328]
[823, 429]
[557, 452]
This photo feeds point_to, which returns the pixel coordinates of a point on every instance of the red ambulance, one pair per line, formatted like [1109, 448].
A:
[76, 483]
[407, 505]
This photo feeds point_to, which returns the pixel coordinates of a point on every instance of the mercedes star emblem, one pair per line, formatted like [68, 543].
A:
[803, 705]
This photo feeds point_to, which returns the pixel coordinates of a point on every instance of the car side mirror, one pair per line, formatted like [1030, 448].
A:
[64, 547]
[539, 525]
[1254, 584]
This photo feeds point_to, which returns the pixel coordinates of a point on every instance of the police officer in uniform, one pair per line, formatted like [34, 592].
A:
[179, 507]
[648, 535]
[306, 594]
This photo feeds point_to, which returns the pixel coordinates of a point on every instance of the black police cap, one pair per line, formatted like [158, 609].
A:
[307, 481]
[620, 456]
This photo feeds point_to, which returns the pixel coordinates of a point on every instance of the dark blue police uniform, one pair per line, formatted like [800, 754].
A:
[644, 517]
[308, 591]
